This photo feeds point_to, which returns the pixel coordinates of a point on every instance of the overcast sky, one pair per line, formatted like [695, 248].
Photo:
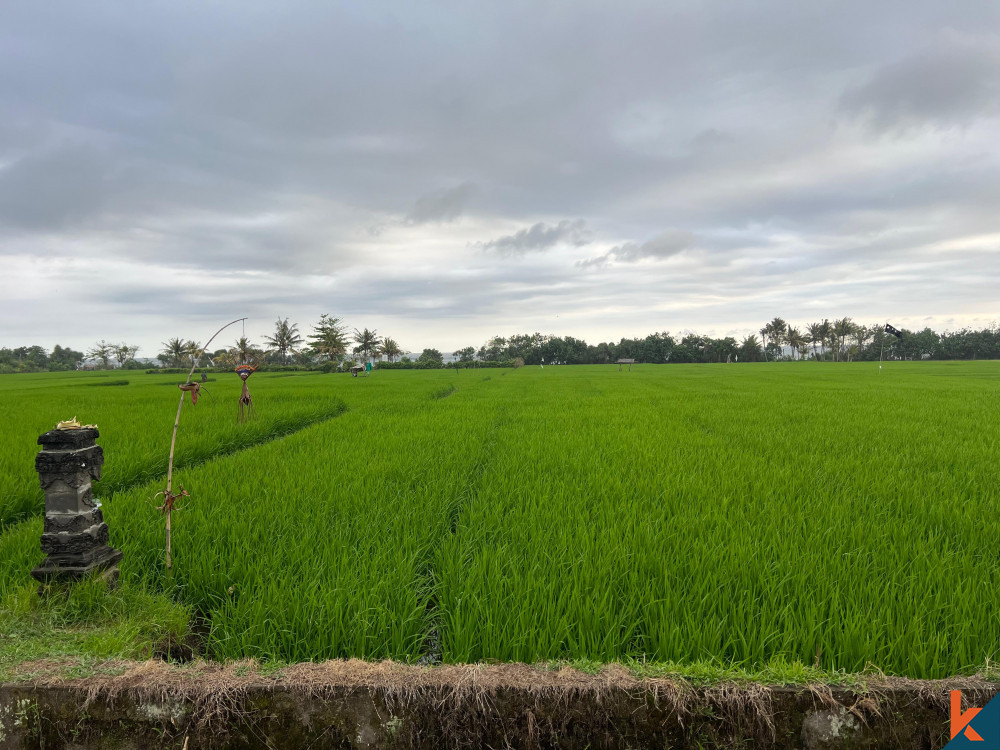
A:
[444, 172]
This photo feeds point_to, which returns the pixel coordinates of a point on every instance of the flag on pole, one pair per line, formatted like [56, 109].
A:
[894, 331]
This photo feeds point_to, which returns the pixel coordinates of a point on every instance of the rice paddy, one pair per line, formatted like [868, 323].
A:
[744, 515]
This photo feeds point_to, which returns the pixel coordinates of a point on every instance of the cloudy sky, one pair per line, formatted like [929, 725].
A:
[448, 171]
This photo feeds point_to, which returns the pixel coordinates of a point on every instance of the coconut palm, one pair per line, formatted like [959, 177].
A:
[841, 330]
[224, 358]
[178, 353]
[826, 334]
[778, 329]
[245, 353]
[391, 349]
[815, 336]
[286, 339]
[795, 339]
[367, 342]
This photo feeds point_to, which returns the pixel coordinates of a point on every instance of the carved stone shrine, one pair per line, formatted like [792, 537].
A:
[75, 537]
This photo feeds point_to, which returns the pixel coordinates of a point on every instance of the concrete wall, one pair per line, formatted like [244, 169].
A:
[354, 705]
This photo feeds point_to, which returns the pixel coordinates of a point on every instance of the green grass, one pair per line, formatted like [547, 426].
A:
[790, 520]
[136, 420]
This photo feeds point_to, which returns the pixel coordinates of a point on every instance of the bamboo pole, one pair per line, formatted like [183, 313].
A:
[173, 438]
[880, 350]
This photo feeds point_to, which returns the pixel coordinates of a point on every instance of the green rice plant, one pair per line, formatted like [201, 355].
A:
[817, 519]
[708, 514]
[135, 423]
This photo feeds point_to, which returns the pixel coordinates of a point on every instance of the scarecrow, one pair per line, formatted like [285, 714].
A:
[246, 403]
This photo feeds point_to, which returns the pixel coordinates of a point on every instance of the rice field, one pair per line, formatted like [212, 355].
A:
[810, 512]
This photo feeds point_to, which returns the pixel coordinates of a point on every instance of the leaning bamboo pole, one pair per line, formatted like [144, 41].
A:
[168, 497]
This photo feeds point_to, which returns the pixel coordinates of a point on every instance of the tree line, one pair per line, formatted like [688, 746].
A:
[332, 345]
[329, 342]
[841, 340]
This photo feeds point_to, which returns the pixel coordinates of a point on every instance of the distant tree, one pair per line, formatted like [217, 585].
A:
[841, 330]
[178, 353]
[795, 339]
[466, 354]
[750, 350]
[722, 350]
[763, 337]
[431, 355]
[285, 339]
[224, 358]
[329, 338]
[925, 343]
[245, 353]
[64, 358]
[124, 353]
[776, 331]
[825, 334]
[23, 359]
[815, 336]
[391, 349]
[493, 350]
[368, 343]
[102, 351]
[861, 335]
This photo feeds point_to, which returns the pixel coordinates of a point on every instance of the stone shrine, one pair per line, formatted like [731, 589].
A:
[75, 537]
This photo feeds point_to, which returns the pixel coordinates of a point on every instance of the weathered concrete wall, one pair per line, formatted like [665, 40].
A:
[358, 705]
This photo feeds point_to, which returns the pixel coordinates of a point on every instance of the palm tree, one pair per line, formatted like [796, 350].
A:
[286, 339]
[795, 339]
[244, 353]
[842, 329]
[367, 342]
[778, 328]
[391, 349]
[815, 336]
[329, 338]
[178, 353]
[763, 337]
[826, 333]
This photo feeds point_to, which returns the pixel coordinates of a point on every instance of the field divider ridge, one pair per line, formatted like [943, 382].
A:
[282, 430]
[462, 500]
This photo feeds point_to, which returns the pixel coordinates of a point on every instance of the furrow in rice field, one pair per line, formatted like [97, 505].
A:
[136, 423]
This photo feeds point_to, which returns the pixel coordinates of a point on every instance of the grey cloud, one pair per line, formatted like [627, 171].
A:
[291, 142]
[539, 237]
[664, 245]
[954, 81]
[51, 188]
[443, 206]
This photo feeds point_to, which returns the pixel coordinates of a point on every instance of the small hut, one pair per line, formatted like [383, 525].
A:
[628, 362]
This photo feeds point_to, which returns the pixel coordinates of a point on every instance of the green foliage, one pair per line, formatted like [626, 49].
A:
[704, 520]
[284, 340]
[431, 356]
[135, 421]
[329, 338]
[369, 344]
[433, 365]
